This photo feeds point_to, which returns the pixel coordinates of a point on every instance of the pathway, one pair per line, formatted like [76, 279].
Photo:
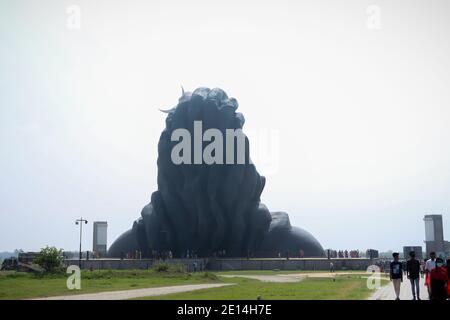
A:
[387, 292]
[136, 293]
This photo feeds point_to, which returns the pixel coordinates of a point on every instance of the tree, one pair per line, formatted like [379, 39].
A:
[50, 259]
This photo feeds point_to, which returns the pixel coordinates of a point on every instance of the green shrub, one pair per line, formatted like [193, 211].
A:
[161, 267]
[50, 259]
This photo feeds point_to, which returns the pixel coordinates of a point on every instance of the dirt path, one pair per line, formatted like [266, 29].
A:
[136, 293]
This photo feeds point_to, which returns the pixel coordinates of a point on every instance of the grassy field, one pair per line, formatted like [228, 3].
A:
[15, 285]
[25, 285]
[345, 287]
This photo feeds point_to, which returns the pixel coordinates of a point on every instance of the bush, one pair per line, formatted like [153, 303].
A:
[50, 259]
[161, 267]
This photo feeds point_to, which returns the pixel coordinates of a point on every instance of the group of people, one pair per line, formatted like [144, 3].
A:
[436, 273]
[343, 254]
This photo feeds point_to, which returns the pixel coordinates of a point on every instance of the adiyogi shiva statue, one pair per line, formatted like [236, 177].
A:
[208, 197]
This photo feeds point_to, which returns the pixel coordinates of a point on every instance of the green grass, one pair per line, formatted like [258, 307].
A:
[14, 285]
[17, 285]
[348, 287]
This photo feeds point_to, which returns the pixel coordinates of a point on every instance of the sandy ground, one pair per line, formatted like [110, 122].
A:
[136, 293]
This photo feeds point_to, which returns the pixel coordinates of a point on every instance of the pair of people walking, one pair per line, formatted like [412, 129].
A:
[412, 273]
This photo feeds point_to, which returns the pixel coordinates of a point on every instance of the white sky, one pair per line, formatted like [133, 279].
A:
[362, 115]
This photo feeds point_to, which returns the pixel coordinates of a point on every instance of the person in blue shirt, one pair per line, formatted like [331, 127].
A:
[396, 274]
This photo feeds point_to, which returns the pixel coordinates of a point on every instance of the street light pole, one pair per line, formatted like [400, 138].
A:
[80, 222]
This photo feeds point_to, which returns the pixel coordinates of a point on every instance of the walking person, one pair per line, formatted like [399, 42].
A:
[429, 266]
[396, 274]
[413, 274]
[439, 281]
[448, 275]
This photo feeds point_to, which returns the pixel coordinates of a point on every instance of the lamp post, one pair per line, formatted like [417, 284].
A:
[80, 222]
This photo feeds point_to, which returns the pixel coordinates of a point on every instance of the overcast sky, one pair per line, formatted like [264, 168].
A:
[354, 96]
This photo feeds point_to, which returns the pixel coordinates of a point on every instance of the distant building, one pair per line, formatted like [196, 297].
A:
[434, 236]
[100, 239]
[386, 254]
[27, 257]
[75, 255]
[372, 254]
[417, 250]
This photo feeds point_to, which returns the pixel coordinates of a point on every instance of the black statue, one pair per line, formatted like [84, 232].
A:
[210, 208]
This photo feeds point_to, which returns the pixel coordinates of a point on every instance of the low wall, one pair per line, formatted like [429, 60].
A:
[290, 264]
[230, 264]
[123, 264]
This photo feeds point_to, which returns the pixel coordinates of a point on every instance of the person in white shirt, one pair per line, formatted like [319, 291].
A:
[429, 265]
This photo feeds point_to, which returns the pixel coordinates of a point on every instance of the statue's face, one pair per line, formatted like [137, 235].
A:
[203, 143]
[210, 198]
